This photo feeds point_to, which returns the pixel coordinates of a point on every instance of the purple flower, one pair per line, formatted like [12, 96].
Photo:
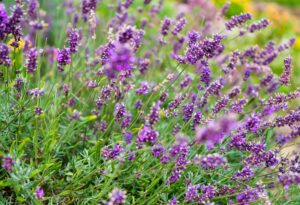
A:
[193, 38]
[287, 45]
[225, 9]
[173, 201]
[31, 60]
[154, 113]
[188, 110]
[191, 193]
[143, 89]
[289, 171]
[66, 89]
[121, 58]
[138, 104]
[119, 111]
[166, 23]
[209, 135]
[143, 65]
[131, 36]
[221, 104]
[283, 139]
[131, 155]
[71, 102]
[233, 93]
[237, 107]
[7, 163]
[197, 119]
[176, 173]
[18, 83]
[146, 134]
[186, 81]
[179, 26]
[286, 75]
[175, 103]
[211, 161]
[176, 129]
[214, 88]
[35, 93]
[92, 84]
[127, 3]
[237, 21]
[126, 121]
[63, 58]
[128, 137]
[258, 26]
[33, 9]
[39, 192]
[113, 153]
[87, 6]
[74, 40]
[244, 174]
[3, 21]
[116, 197]
[247, 196]
[13, 23]
[147, 1]
[158, 150]
[267, 80]
[208, 191]
[38, 111]
[253, 123]
[4, 55]
[164, 159]
[103, 126]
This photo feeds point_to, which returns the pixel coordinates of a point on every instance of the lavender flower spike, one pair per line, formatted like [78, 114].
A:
[31, 61]
[236, 21]
[258, 26]
[286, 75]
[166, 23]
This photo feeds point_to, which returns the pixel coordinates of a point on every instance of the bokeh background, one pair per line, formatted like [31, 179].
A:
[284, 16]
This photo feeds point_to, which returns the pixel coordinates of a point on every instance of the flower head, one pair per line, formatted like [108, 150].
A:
[116, 197]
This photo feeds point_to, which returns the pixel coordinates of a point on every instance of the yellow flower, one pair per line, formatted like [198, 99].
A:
[297, 43]
[20, 44]
[249, 7]
[162, 114]
[240, 1]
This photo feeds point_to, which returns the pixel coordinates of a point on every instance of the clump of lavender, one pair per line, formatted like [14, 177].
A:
[170, 111]
[13, 25]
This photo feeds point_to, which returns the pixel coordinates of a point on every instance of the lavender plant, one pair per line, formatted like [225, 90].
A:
[119, 103]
